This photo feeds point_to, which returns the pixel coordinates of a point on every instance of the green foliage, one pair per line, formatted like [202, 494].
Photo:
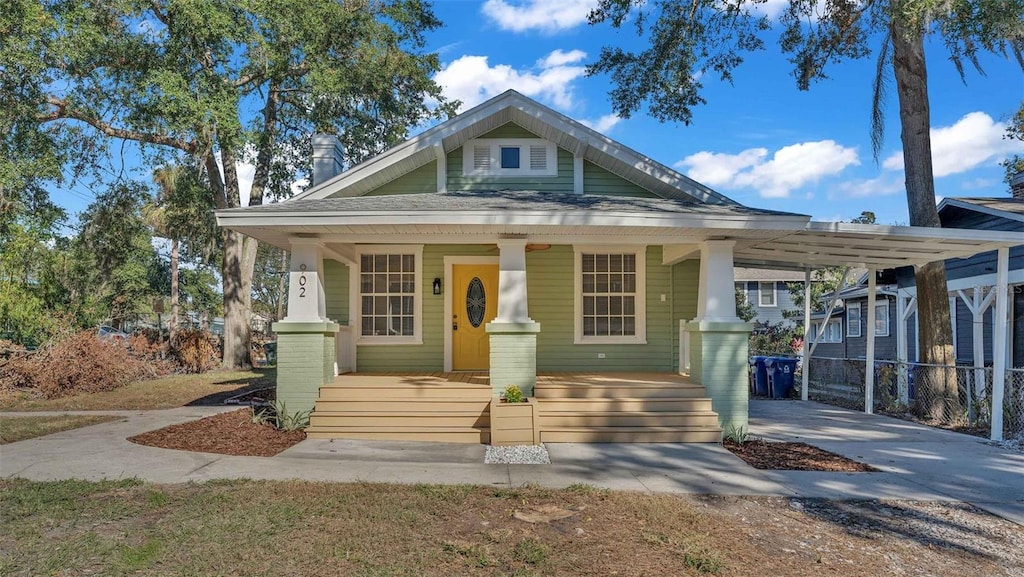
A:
[512, 394]
[289, 421]
[270, 276]
[736, 434]
[744, 309]
[774, 339]
[1015, 131]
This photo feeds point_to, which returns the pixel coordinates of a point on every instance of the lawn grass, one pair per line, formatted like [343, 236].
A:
[13, 429]
[297, 528]
[163, 393]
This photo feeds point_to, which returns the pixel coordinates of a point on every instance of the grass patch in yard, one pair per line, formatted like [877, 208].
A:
[164, 393]
[361, 529]
[13, 429]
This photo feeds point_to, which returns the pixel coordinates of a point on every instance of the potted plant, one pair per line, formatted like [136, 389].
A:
[514, 419]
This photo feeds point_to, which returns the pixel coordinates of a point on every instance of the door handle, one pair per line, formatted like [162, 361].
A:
[455, 326]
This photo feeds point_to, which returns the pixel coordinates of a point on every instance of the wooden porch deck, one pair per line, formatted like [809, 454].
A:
[572, 407]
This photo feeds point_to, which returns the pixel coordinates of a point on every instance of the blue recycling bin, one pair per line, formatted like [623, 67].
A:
[781, 372]
[758, 376]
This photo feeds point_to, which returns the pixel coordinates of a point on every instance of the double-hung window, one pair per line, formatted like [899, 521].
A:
[882, 318]
[766, 294]
[853, 320]
[833, 332]
[389, 294]
[610, 300]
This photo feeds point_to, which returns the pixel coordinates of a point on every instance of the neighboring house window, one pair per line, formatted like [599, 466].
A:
[766, 294]
[882, 319]
[610, 302]
[853, 320]
[389, 294]
[833, 331]
[510, 157]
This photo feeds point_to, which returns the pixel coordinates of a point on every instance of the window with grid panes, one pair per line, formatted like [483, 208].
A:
[387, 292]
[609, 294]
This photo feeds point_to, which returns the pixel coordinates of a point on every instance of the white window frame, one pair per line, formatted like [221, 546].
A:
[849, 322]
[882, 314]
[826, 338]
[496, 144]
[761, 293]
[640, 296]
[356, 290]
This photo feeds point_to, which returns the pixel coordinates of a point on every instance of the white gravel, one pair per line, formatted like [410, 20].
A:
[518, 455]
[1014, 444]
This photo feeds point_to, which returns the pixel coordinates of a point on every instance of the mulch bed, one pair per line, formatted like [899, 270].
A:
[779, 456]
[231, 433]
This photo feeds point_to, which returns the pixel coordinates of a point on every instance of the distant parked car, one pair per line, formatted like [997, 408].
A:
[107, 332]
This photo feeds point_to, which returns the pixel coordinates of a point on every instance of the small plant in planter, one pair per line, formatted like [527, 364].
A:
[512, 394]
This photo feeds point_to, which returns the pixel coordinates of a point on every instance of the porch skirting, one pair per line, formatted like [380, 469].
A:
[513, 356]
[306, 359]
[718, 360]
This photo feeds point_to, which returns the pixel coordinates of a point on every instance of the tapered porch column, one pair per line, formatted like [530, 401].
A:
[305, 337]
[513, 334]
[718, 338]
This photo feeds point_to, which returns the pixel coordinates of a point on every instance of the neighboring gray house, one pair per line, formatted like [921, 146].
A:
[768, 292]
[846, 333]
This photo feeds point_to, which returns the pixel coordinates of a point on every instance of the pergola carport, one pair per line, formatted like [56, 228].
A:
[877, 247]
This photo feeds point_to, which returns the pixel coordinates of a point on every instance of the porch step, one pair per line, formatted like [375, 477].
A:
[626, 404]
[401, 405]
[631, 435]
[637, 390]
[426, 419]
[405, 391]
[550, 420]
[439, 434]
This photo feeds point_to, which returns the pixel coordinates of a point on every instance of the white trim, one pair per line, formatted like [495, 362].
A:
[760, 294]
[884, 303]
[495, 145]
[417, 328]
[860, 321]
[442, 168]
[965, 205]
[640, 302]
[449, 262]
[816, 329]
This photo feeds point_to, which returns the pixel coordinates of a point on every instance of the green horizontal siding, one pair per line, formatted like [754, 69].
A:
[336, 291]
[560, 183]
[597, 180]
[430, 355]
[423, 179]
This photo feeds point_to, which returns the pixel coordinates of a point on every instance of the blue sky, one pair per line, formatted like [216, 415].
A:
[760, 140]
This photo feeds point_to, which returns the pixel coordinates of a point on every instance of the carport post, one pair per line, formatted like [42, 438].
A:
[806, 370]
[869, 353]
[999, 344]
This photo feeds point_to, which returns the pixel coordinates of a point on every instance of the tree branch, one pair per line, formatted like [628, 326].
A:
[63, 111]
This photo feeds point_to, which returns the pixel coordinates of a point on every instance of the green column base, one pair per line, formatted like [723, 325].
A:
[513, 356]
[305, 361]
[718, 360]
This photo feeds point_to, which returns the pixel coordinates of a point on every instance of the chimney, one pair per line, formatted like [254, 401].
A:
[1017, 185]
[327, 158]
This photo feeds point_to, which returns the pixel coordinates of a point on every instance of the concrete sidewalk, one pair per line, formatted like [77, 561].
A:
[917, 462]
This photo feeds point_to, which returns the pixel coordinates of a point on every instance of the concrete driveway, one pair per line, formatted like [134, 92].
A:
[916, 462]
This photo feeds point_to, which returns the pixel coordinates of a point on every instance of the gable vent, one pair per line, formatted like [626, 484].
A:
[538, 157]
[481, 158]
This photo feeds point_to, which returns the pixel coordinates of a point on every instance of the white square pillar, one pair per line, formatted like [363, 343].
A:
[306, 298]
[716, 292]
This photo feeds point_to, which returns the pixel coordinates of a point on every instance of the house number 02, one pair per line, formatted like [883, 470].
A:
[302, 281]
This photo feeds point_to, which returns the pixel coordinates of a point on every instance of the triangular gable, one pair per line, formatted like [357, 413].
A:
[1007, 207]
[434, 144]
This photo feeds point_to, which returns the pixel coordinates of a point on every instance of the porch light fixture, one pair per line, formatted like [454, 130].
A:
[437, 286]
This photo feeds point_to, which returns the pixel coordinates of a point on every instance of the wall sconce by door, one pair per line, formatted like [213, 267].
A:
[437, 286]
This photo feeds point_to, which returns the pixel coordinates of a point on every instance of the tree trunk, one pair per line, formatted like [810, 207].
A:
[282, 285]
[937, 394]
[173, 330]
[239, 261]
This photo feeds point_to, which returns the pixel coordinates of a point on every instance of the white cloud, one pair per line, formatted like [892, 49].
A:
[770, 8]
[884, 185]
[544, 15]
[788, 169]
[472, 80]
[972, 141]
[603, 124]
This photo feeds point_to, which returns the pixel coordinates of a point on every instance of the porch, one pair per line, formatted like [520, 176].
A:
[572, 407]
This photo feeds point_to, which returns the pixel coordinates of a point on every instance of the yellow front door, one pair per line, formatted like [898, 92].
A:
[474, 297]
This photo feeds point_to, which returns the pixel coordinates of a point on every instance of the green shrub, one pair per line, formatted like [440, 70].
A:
[512, 394]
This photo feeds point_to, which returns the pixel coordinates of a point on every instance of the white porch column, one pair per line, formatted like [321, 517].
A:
[904, 308]
[999, 344]
[806, 357]
[718, 338]
[512, 333]
[716, 296]
[306, 350]
[306, 301]
[869, 353]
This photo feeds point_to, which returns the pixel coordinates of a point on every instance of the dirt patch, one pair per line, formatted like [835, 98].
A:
[231, 433]
[779, 456]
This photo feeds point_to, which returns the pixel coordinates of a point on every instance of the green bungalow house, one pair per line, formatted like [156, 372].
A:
[512, 245]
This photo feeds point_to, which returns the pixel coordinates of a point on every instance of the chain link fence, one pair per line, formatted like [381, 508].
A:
[953, 397]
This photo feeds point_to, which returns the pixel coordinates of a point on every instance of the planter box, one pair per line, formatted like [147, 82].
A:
[514, 423]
